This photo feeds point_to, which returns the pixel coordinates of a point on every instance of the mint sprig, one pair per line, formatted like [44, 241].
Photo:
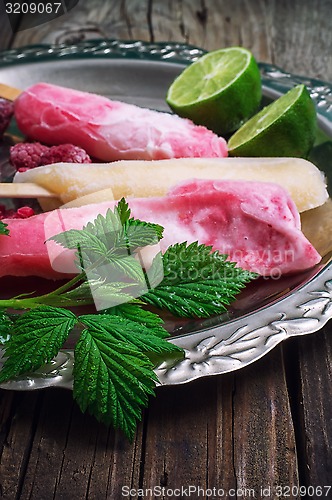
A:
[121, 343]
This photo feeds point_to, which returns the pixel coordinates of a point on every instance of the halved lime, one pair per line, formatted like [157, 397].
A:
[221, 90]
[286, 127]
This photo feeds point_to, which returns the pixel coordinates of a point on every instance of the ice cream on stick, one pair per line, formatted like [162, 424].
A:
[255, 223]
[110, 130]
[139, 179]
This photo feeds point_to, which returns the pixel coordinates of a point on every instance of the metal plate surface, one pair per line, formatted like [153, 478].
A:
[266, 313]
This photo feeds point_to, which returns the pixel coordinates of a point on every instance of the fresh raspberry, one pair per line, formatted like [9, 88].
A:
[26, 155]
[24, 213]
[6, 112]
[65, 153]
[20, 213]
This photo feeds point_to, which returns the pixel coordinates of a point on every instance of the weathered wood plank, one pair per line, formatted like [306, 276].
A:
[18, 420]
[213, 24]
[81, 457]
[280, 32]
[264, 439]
[189, 436]
[297, 38]
[314, 404]
[93, 19]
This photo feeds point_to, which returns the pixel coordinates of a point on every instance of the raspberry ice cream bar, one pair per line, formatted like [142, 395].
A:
[255, 223]
[140, 179]
[110, 130]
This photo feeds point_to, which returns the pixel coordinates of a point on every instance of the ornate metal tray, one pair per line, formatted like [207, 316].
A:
[265, 314]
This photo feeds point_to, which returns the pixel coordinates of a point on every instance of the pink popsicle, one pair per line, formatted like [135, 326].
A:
[255, 223]
[110, 130]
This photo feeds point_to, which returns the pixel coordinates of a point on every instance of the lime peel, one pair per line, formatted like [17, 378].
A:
[221, 90]
[286, 127]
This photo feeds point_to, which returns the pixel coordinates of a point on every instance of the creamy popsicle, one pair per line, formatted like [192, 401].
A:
[255, 223]
[139, 179]
[110, 130]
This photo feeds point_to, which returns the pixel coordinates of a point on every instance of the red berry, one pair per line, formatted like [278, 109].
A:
[65, 153]
[24, 212]
[21, 213]
[26, 155]
[6, 112]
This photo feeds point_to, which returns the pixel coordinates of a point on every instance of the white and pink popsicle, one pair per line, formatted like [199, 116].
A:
[110, 130]
[255, 223]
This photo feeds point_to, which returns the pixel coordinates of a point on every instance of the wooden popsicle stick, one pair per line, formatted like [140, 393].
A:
[9, 93]
[24, 190]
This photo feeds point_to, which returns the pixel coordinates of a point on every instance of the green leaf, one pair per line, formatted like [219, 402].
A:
[108, 295]
[140, 234]
[36, 338]
[109, 292]
[142, 324]
[146, 338]
[197, 282]
[146, 318]
[80, 239]
[112, 240]
[112, 379]
[137, 232]
[6, 325]
[123, 211]
[3, 229]
[113, 231]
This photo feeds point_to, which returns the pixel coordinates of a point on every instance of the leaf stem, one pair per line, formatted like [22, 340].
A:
[53, 298]
[66, 286]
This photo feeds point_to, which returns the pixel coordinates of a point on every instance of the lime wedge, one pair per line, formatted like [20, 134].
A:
[221, 90]
[286, 127]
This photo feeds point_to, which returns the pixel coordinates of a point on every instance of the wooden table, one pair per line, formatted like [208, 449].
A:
[267, 425]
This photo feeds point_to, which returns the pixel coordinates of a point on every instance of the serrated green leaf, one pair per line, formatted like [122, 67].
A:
[123, 211]
[197, 282]
[112, 240]
[145, 338]
[112, 379]
[3, 229]
[146, 318]
[140, 234]
[79, 239]
[111, 292]
[6, 326]
[37, 336]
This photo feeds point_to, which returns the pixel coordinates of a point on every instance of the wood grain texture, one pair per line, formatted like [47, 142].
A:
[282, 32]
[190, 436]
[264, 438]
[315, 389]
